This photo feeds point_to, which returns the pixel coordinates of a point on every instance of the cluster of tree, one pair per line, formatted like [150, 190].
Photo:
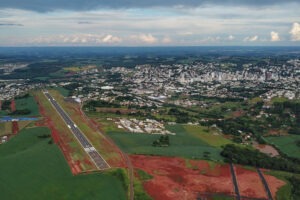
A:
[216, 99]
[22, 96]
[292, 106]
[245, 156]
[298, 143]
[114, 77]
[38, 69]
[71, 86]
[124, 98]
[181, 117]
[92, 105]
[44, 136]
[5, 105]
[163, 141]
[21, 112]
[295, 182]
[294, 130]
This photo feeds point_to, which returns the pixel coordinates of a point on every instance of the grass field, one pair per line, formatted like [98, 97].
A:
[33, 169]
[63, 91]
[184, 144]
[286, 144]
[5, 128]
[28, 103]
[3, 113]
[211, 136]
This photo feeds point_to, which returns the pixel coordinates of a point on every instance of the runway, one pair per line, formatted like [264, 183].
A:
[85, 143]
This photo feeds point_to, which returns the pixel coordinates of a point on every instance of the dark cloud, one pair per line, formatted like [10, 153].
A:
[50, 5]
[10, 24]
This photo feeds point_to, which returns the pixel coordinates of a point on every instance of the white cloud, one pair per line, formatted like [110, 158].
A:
[76, 39]
[231, 37]
[251, 39]
[295, 32]
[146, 38]
[166, 40]
[274, 36]
[111, 39]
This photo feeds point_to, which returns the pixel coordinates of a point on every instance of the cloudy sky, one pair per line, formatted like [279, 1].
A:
[149, 22]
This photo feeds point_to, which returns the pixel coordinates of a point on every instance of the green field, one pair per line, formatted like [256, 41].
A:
[62, 91]
[33, 169]
[5, 128]
[184, 144]
[286, 144]
[28, 103]
[3, 113]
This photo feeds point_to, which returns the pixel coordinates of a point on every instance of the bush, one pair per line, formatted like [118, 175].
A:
[255, 158]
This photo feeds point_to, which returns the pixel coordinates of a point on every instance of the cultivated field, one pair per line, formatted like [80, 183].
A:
[28, 103]
[31, 168]
[188, 144]
[286, 144]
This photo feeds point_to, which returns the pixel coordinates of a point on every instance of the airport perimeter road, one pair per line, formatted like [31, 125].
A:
[85, 143]
[265, 184]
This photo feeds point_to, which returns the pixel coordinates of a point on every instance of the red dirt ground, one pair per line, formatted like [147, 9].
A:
[15, 127]
[249, 183]
[273, 183]
[13, 105]
[174, 178]
[238, 113]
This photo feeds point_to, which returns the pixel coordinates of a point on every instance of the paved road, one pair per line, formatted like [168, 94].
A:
[85, 143]
[234, 180]
[265, 184]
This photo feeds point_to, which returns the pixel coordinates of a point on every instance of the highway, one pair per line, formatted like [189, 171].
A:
[85, 143]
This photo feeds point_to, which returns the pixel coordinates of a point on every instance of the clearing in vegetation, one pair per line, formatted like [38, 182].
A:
[33, 168]
[177, 178]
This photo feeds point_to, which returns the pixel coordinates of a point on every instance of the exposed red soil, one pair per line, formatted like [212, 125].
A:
[174, 178]
[273, 183]
[13, 105]
[15, 127]
[238, 113]
[276, 132]
[267, 149]
[250, 185]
